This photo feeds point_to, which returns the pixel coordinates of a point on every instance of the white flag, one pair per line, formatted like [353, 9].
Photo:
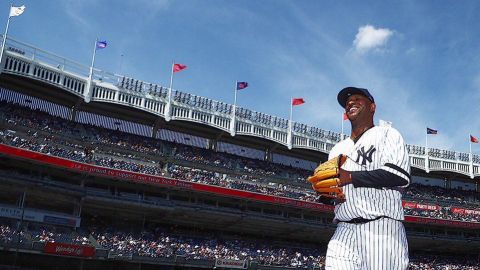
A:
[17, 11]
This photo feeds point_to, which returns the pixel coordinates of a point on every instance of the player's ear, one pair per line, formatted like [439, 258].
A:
[373, 107]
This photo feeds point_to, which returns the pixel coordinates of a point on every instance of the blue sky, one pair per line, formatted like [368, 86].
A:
[420, 59]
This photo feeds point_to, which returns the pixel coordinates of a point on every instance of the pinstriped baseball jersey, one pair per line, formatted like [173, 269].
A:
[376, 245]
[378, 148]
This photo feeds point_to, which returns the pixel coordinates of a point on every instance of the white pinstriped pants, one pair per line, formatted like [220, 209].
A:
[380, 244]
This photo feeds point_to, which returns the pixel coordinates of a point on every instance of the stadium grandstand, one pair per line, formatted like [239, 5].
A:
[93, 176]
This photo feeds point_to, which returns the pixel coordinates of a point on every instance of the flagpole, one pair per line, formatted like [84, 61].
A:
[88, 87]
[427, 168]
[169, 102]
[234, 109]
[121, 63]
[171, 84]
[471, 157]
[235, 94]
[90, 74]
[470, 146]
[289, 136]
[291, 111]
[5, 33]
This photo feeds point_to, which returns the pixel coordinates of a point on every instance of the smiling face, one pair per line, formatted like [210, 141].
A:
[359, 107]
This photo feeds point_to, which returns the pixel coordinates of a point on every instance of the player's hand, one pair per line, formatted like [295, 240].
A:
[344, 177]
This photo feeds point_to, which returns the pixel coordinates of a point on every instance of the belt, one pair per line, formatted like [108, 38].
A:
[361, 220]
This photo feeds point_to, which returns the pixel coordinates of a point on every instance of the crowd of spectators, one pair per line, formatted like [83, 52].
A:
[241, 164]
[56, 147]
[445, 262]
[167, 242]
[118, 150]
[159, 243]
[43, 233]
[442, 213]
[174, 171]
[7, 233]
[212, 178]
[93, 138]
[424, 193]
[38, 232]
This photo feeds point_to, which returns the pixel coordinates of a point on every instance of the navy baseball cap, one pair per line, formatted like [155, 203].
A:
[346, 92]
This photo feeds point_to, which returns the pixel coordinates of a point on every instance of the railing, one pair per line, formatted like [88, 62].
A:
[28, 61]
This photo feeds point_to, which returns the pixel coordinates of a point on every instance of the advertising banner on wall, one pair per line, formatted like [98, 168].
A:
[69, 249]
[463, 211]
[235, 264]
[414, 205]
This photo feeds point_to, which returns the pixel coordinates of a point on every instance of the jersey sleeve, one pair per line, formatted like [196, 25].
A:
[394, 155]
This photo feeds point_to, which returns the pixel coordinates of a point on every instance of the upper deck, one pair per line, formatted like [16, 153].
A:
[61, 74]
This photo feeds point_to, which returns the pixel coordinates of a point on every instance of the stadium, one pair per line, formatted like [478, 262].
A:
[103, 171]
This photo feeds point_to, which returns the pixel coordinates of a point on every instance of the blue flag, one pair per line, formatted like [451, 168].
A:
[101, 44]
[431, 131]
[242, 85]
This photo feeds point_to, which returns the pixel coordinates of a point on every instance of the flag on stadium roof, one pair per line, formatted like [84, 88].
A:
[101, 44]
[178, 67]
[473, 139]
[431, 131]
[242, 85]
[297, 101]
[17, 11]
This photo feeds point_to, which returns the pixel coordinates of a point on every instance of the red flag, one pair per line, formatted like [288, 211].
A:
[345, 117]
[473, 139]
[297, 101]
[178, 67]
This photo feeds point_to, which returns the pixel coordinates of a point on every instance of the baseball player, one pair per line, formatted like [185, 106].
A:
[365, 174]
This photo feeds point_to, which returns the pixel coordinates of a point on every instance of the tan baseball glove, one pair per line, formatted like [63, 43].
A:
[325, 179]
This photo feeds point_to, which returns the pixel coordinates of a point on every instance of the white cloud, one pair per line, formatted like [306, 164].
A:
[369, 37]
